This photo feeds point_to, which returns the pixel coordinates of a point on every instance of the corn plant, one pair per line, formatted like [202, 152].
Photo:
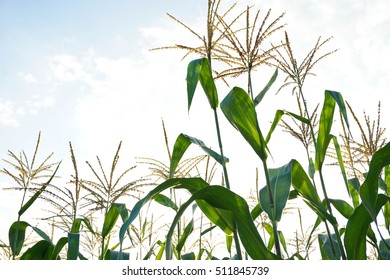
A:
[225, 208]
[32, 179]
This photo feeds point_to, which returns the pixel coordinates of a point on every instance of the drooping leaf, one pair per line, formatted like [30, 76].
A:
[278, 116]
[262, 93]
[240, 112]
[181, 145]
[199, 71]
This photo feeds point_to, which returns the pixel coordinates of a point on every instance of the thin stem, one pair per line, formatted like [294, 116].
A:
[235, 235]
[225, 172]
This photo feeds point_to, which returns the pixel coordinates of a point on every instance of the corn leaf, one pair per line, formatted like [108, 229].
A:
[16, 236]
[278, 116]
[325, 126]
[183, 238]
[181, 145]
[199, 71]
[42, 250]
[369, 188]
[262, 93]
[357, 228]
[58, 247]
[27, 205]
[240, 112]
[111, 218]
[165, 201]
[219, 217]
[326, 247]
[280, 183]
[221, 197]
[384, 250]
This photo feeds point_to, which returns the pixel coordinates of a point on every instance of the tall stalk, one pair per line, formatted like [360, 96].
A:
[225, 172]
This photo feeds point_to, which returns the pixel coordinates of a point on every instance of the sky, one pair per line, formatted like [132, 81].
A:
[82, 71]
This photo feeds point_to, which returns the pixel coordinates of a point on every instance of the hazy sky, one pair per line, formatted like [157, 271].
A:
[80, 71]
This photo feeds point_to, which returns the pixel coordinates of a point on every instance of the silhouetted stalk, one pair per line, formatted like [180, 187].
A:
[225, 172]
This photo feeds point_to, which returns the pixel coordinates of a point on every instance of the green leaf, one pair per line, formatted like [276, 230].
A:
[73, 246]
[386, 209]
[369, 188]
[165, 201]
[240, 112]
[384, 250]
[183, 238]
[189, 257]
[199, 70]
[303, 186]
[312, 168]
[27, 205]
[219, 217]
[354, 187]
[278, 116]
[17, 233]
[161, 251]
[341, 162]
[57, 249]
[280, 183]
[326, 247]
[325, 126]
[343, 207]
[16, 236]
[229, 243]
[223, 198]
[262, 93]
[112, 216]
[357, 228]
[181, 145]
[114, 255]
[42, 250]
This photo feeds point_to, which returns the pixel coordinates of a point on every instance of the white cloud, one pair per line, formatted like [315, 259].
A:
[67, 68]
[28, 77]
[9, 113]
